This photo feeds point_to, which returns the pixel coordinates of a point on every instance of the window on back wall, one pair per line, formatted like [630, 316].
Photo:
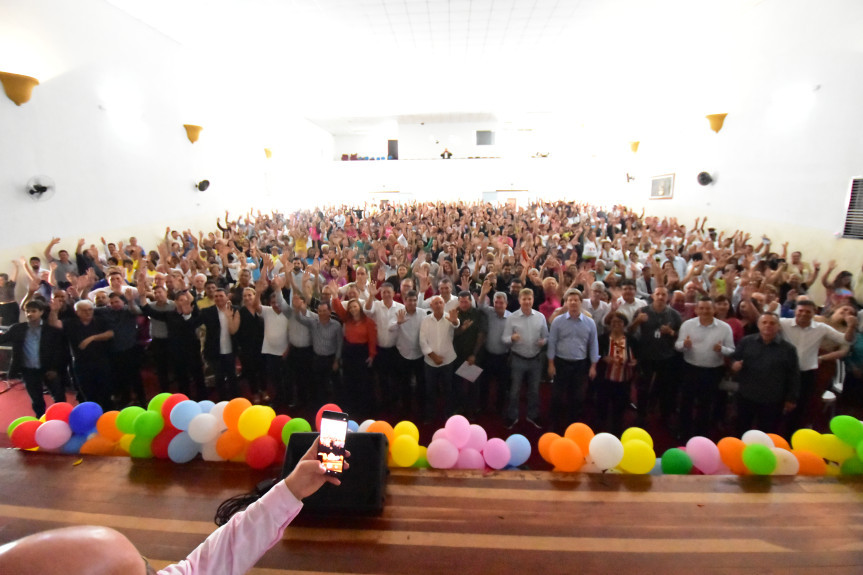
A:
[484, 138]
[854, 217]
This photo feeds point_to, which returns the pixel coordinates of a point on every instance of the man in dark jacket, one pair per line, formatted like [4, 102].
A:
[222, 322]
[38, 355]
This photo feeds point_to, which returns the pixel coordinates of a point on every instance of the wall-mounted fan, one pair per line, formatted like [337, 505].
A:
[40, 188]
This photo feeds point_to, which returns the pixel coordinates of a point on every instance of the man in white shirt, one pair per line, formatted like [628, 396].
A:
[627, 304]
[410, 355]
[445, 290]
[275, 347]
[705, 342]
[436, 333]
[384, 312]
[806, 336]
[596, 307]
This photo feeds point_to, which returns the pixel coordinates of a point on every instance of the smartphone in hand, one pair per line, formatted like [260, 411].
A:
[331, 447]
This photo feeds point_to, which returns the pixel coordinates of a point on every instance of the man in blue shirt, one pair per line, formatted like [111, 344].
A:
[573, 352]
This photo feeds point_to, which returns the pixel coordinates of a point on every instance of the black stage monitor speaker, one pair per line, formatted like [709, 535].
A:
[363, 487]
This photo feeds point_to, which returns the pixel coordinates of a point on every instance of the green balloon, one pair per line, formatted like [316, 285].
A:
[148, 424]
[848, 429]
[156, 403]
[296, 425]
[140, 448]
[422, 462]
[759, 459]
[676, 462]
[852, 466]
[126, 420]
[18, 422]
[859, 449]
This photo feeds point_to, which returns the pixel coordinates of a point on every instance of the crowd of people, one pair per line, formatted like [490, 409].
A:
[430, 309]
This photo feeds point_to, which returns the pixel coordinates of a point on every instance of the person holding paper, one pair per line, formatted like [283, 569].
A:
[468, 342]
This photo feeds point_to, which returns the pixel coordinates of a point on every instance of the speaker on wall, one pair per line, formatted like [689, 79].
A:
[704, 178]
[363, 487]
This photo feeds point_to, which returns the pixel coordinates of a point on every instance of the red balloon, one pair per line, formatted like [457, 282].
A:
[262, 452]
[320, 415]
[276, 426]
[169, 405]
[24, 436]
[59, 411]
[159, 447]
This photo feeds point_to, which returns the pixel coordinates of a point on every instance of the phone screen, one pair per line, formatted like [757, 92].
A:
[331, 449]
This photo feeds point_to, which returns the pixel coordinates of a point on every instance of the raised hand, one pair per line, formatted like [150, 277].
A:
[687, 343]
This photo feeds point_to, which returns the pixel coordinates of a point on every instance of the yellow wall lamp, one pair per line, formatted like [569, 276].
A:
[192, 132]
[716, 121]
[19, 88]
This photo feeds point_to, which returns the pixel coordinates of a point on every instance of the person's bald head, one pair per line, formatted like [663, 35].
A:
[84, 549]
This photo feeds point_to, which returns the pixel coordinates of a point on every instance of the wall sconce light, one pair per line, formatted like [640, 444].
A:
[268, 152]
[634, 146]
[716, 121]
[192, 132]
[19, 88]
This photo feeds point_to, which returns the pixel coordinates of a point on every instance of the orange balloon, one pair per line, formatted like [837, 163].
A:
[233, 411]
[810, 463]
[580, 433]
[107, 426]
[544, 445]
[230, 444]
[382, 427]
[566, 455]
[731, 453]
[98, 445]
[779, 441]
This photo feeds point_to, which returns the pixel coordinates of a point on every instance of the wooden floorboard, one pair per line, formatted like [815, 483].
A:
[446, 522]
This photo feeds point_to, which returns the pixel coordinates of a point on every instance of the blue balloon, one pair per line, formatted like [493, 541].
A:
[183, 412]
[84, 416]
[206, 405]
[353, 425]
[183, 448]
[73, 446]
[519, 448]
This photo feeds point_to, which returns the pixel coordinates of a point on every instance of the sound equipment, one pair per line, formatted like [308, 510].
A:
[363, 487]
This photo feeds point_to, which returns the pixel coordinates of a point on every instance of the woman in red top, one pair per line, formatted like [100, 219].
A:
[358, 353]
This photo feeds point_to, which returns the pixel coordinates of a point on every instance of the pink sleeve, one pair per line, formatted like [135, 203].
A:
[235, 547]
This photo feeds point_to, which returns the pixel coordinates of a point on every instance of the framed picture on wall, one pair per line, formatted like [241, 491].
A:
[662, 187]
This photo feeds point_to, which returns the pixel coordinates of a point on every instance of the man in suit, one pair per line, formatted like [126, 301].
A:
[222, 321]
[38, 355]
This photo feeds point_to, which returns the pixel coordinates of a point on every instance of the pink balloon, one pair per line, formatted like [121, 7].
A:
[442, 454]
[439, 434]
[53, 434]
[496, 453]
[469, 458]
[458, 430]
[704, 454]
[478, 438]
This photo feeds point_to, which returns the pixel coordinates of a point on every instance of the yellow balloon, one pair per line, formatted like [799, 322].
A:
[638, 457]
[126, 441]
[834, 449]
[806, 440]
[636, 433]
[405, 450]
[832, 470]
[406, 428]
[255, 421]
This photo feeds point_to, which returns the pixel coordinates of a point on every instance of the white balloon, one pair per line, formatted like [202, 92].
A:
[786, 463]
[209, 453]
[755, 437]
[606, 450]
[218, 412]
[365, 425]
[204, 428]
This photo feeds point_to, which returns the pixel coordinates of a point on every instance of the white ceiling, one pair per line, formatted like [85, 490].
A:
[351, 64]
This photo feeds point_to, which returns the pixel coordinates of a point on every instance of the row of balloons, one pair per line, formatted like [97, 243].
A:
[177, 428]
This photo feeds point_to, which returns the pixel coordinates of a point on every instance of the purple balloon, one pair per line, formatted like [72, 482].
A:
[469, 458]
[458, 430]
[442, 454]
[478, 438]
[496, 453]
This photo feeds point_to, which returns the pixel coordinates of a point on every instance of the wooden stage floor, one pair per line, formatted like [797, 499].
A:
[461, 522]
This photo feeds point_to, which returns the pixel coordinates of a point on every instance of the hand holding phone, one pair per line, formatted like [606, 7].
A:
[331, 446]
